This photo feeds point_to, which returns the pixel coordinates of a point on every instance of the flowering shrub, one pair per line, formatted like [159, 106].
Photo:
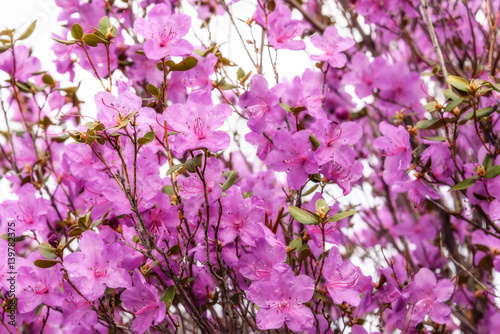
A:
[360, 197]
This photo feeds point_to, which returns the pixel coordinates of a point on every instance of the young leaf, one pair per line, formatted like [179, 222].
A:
[28, 31]
[185, 65]
[230, 181]
[302, 217]
[168, 296]
[174, 168]
[464, 184]
[46, 251]
[459, 83]
[342, 215]
[46, 263]
[76, 31]
[148, 138]
[492, 172]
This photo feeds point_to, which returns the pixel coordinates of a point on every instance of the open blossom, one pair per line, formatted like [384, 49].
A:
[283, 30]
[29, 211]
[332, 45]
[197, 122]
[192, 189]
[334, 136]
[240, 217]
[163, 32]
[262, 104]
[263, 258]
[143, 301]
[96, 266]
[37, 286]
[294, 155]
[280, 301]
[24, 64]
[341, 279]
[395, 146]
[430, 296]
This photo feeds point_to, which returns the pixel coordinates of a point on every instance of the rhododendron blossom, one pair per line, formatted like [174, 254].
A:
[250, 166]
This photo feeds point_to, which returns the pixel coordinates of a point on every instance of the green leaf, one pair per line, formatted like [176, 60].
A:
[303, 217]
[45, 263]
[93, 39]
[230, 181]
[240, 74]
[185, 65]
[464, 184]
[152, 90]
[64, 42]
[316, 143]
[453, 104]
[295, 244]
[321, 203]
[47, 79]
[429, 123]
[148, 138]
[104, 24]
[487, 161]
[431, 106]
[99, 221]
[450, 95]
[168, 189]
[174, 168]
[286, 107]
[47, 251]
[492, 172]
[480, 113]
[310, 190]
[342, 215]
[77, 31]
[437, 138]
[191, 164]
[174, 250]
[168, 296]
[28, 31]
[459, 83]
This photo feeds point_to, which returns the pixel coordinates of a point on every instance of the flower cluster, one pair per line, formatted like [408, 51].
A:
[197, 194]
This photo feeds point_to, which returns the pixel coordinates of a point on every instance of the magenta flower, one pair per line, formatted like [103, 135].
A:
[293, 154]
[37, 286]
[197, 122]
[263, 258]
[280, 301]
[262, 104]
[395, 146]
[192, 190]
[333, 136]
[283, 30]
[332, 45]
[25, 64]
[239, 217]
[96, 266]
[29, 212]
[341, 279]
[143, 301]
[429, 296]
[163, 32]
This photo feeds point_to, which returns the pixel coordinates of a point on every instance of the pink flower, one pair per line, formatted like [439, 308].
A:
[163, 32]
[332, 45]
[280, 301]
[294, 155]
[143, 301]
[341, 279]
[197, 122]
[429, 296]
[96, 266]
